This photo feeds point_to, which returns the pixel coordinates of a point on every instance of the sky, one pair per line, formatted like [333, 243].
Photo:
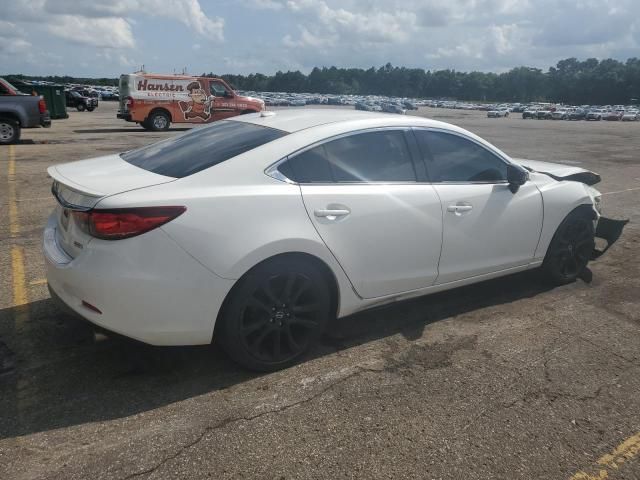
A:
[110, 37]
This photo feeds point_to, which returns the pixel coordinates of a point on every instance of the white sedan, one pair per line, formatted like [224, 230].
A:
[258, 229]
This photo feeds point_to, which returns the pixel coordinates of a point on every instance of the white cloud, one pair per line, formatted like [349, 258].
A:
[92, 21]
[290, 34]
[107, 32]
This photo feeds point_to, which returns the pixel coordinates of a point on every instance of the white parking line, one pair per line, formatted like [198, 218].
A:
[622, 191]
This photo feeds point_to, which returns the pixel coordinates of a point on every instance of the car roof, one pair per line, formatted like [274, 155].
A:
[295, 120]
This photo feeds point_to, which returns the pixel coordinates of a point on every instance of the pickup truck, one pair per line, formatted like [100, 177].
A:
[19, 110]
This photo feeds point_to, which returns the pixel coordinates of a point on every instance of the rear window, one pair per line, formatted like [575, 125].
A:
[201, 148]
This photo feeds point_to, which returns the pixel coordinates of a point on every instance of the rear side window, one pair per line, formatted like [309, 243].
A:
[381, 156]
[200, 148]
[310, 166]
[371, 157]
[451, 158]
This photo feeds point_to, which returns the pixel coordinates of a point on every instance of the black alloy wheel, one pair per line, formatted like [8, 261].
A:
[276, 314]
[570, 249]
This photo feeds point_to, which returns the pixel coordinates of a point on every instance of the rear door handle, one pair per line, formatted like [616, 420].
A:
[331, 213]
[459, 208]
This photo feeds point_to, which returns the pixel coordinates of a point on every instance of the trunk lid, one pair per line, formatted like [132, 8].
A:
[79, 186]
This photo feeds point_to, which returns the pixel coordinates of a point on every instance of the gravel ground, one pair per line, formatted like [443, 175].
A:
[509, 379]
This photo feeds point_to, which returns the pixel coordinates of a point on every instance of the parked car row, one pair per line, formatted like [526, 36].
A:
[585, 112]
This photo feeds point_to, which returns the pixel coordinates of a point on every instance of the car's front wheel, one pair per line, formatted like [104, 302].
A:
[275, 314]
[80, 107]
[570, 249]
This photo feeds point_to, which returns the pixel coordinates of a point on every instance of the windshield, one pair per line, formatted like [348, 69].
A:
[201, 148]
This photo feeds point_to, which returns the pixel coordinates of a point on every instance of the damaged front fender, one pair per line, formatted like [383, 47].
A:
[610, 231]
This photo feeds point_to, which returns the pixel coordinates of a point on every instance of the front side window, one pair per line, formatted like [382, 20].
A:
[201, 148]
[217, 89]
[452, 158]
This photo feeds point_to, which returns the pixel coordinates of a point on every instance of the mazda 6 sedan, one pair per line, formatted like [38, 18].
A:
[257, 230]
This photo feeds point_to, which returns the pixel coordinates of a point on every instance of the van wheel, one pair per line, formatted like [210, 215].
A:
[275, 314]
[80, 107]
[570, 249]
[158, 121]
[145, 125]
[9, 131]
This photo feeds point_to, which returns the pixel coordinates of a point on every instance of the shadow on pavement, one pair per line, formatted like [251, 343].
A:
[64, 377]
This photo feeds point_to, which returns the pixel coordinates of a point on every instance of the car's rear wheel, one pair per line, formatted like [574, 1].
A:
[9, 131]
[275, 314]
[570, 249]
[158, 121]
[80, 107]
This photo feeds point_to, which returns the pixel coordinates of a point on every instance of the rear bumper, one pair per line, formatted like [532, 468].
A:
[124, 116]
[146, 288]
[45, 120]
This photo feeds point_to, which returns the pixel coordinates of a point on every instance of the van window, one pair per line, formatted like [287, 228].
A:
[217, 89]
[201, 148]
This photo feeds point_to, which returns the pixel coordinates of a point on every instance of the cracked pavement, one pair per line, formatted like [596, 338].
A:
[508, 379]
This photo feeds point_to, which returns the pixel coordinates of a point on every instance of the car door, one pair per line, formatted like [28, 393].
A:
[224, 102]
[486, 227]
[362, 193]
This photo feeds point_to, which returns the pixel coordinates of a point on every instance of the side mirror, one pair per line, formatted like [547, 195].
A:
[228, 94]
[516, 176]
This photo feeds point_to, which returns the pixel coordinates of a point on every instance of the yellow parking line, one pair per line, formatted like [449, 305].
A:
[14, 226]
[20, 296]
[19, 285]
[611, 462]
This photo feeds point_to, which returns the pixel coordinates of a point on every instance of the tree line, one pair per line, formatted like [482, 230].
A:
[572, 81]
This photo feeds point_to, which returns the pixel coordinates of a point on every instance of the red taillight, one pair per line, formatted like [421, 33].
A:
[125, 222]
[42, 106]
[129, 102]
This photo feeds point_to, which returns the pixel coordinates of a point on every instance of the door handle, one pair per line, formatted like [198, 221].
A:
[459, 208]
[331, 214]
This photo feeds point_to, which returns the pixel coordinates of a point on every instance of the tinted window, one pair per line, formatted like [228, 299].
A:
[200, 148]
[308, 167]
[456, 159]
[371, 157]
[217, 89]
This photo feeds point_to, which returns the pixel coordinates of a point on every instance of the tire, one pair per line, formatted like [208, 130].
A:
[274, 315]
[158, 121]
[570, 249]
[80, 107]
[90, 109]
[9, 131]
[145, 125]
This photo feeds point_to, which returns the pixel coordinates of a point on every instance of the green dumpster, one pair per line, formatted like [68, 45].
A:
[53, 96]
